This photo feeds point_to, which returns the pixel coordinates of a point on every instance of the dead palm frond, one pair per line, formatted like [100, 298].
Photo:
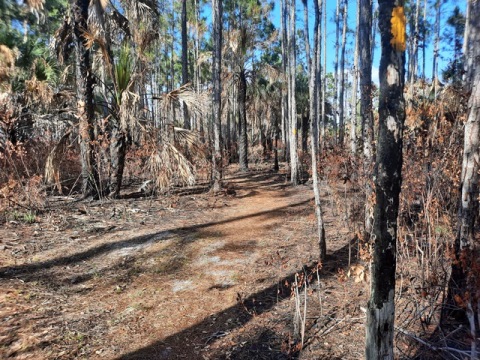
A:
[170, 167]
[96, 18]
[189, 139]
[7, 65]
[36, 8]
[52, 165]
[62, 40]
[196, 103]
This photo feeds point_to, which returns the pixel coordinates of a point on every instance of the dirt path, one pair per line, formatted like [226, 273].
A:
[189, 277]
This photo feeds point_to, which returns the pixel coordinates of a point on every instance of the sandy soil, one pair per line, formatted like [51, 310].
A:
[191, 276]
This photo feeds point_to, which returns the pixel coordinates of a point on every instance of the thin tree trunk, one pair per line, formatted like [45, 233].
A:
[412, 71]
[353, 122]
[337, 50]
[186, 119]
[388, 169]
[85, 109]
[438, 6]
[314, 85]
[217, 91]
[242, 118]
[324, 76]
[294, 175]
[341, 90]
[285, 89]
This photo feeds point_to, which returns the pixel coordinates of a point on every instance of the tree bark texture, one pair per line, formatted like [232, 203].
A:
[366, 111]
[388, 178]
[471, 150]
[292, 63]
[341, 90]
[242, 119]
[85, 109]
[314, 86]
[217, 92]
[186, 120]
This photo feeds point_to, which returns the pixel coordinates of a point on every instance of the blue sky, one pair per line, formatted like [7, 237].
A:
[352, 11]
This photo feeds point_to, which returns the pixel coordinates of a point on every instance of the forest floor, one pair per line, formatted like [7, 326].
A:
[191, 276]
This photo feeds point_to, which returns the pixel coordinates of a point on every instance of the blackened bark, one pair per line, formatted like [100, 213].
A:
[388, 178]
[217, 91]
[365, 74]
[85, 109]
[118, 147]
[242, 119]
[186, 119]
[341, 90]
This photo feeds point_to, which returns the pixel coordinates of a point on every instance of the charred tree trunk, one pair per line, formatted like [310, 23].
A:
[85, 109]
[366, 111]
[341, 90]
[242, 119]
[388, 178]
[186, 119]
[217, 92]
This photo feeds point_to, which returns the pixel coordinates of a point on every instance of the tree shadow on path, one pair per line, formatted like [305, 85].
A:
[189, 343]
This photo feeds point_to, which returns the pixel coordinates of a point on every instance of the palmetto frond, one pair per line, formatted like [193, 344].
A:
[190, 140]
[169, 166]
[196, 103]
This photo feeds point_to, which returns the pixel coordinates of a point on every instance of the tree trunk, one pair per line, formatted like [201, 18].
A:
[388, 171]
[353, 121]
[285, 89]
[412, 69]
[294, 175]
[341, 90]
[186, 120]
[438, 6]
[324, 75]
[217, 92]
[85, 109]
[337, 50]
[366, 111]
[314, 86]
[242, 119]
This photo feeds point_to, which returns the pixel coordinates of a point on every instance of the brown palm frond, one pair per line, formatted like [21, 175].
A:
[52, 165]
[7, 65]
[36, 8]
[37, 91]
[196, 103]
[96, 18]
[62, 40]
[147, 38]
[170, 167]
[126, 113]
[121, 22]
[189, 139]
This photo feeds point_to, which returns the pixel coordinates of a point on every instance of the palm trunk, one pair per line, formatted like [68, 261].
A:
[85, 109]
[388, 169]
